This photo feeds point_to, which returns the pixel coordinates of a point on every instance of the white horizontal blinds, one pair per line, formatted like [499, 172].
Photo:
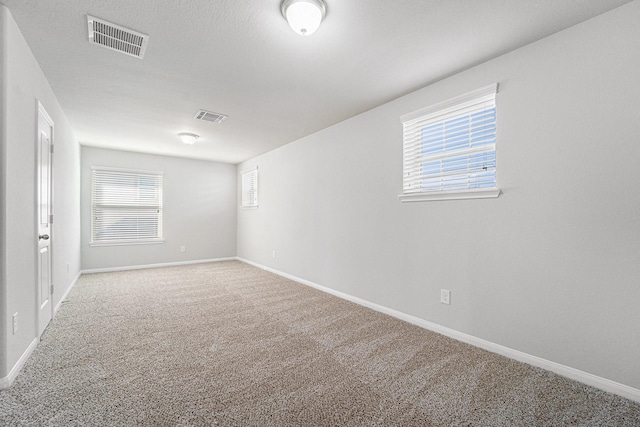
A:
[453, 147]
[126, 206]
[250, 188]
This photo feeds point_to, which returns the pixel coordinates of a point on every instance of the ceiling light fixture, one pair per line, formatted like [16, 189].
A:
[304, 16]
[188, 138]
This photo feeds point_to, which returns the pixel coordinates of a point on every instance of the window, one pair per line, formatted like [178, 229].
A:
[449, 149]
[250, 188]
[126, 206]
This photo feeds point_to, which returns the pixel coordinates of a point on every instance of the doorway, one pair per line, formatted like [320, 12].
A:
[44, 222]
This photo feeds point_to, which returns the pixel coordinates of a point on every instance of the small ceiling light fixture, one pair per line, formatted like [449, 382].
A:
[188, 138]
[304, 16]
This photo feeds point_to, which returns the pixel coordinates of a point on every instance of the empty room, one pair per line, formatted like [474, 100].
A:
[320, 212]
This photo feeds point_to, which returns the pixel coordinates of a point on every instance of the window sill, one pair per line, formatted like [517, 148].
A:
[450, 195]
[249, 207]
[127, 242]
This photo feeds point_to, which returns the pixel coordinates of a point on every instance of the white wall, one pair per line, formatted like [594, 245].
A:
[550, 268]
[23, 84]
[4, 19]
[199, 210]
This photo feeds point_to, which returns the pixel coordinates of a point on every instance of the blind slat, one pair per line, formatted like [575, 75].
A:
[452, 148]
[125, 206]
[250, 188]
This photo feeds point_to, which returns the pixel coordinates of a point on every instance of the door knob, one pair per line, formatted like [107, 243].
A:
[43, 237]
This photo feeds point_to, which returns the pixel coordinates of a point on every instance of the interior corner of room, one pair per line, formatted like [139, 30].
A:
[546, 273]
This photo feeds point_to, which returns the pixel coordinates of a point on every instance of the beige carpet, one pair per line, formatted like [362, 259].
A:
[229, 344]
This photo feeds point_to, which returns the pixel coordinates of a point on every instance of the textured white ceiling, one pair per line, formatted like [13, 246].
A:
[239, 57]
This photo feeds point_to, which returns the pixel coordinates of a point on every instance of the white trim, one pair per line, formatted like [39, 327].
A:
[491, 89]
[8, 380]
[66, 294]
[128, 204]
[450, 195]
[251, 205]
[127, 242]
[52, 140]
[249, 170]
[164, 264]
[566, 371]
[46, 115]
[125, 170]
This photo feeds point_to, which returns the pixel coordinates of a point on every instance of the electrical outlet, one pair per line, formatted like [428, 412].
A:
[15, 323]
[445, 296]
[183, 248]
[273, 255]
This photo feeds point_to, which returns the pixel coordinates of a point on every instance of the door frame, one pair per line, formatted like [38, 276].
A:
[42, 111]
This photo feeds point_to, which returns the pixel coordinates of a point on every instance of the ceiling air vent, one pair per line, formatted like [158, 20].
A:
[210, 117]
[115, 37]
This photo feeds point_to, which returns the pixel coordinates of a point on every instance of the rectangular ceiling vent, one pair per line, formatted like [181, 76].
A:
[210, 117]
[115, 37]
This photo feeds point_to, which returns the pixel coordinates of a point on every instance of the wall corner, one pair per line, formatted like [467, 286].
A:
[3, 147]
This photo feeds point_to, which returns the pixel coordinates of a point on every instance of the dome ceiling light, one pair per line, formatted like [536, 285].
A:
[304, 16]
[188, 138]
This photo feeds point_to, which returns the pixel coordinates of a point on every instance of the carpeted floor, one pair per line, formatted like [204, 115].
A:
[232, 345]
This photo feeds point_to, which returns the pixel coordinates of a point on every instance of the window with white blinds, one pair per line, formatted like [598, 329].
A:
[126, 206]
[250, 188]
[450, 148]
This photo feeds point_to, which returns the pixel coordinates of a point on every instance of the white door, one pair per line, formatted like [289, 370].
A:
[44, 226]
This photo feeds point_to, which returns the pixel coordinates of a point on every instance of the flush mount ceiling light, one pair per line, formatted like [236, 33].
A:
[188, 138]
[304, 16]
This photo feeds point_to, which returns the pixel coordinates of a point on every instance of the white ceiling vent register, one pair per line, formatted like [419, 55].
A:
[116, 38]
[210, 117]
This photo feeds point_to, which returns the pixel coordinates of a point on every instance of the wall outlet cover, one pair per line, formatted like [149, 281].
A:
[15, 323]
[445, 296]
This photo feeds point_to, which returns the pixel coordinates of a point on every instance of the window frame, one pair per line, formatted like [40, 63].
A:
[159, 188]
[439, 113]
[249, 176]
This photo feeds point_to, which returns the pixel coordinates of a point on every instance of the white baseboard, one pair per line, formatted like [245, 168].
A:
[66, 294]
[5, 382]
[566, 371]
[165, 264]
[8, 380]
